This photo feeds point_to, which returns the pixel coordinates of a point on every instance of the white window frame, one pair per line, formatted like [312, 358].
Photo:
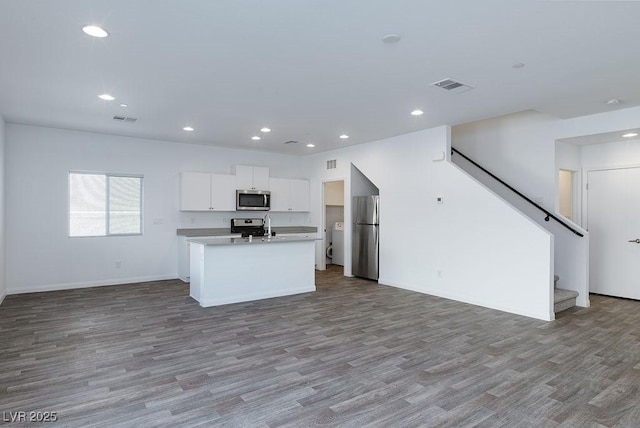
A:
[107, 208]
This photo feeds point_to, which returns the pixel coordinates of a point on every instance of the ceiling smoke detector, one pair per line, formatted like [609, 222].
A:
[452, 85]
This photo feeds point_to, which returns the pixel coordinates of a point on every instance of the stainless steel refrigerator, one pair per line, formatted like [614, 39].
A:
[364, 250]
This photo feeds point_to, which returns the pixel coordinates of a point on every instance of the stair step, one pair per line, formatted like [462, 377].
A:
[563, 299]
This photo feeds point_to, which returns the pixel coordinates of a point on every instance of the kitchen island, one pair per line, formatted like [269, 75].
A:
[231, 270]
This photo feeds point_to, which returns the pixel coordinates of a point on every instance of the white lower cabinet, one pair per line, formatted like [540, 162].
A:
[289, 195]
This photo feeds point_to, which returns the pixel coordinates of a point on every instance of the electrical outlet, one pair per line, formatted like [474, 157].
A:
[118, 264]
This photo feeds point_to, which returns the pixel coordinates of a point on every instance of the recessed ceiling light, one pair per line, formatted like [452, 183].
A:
[188, 128]
[630, 134]
[106, 97]
[417, 113]
[95, 31]
[124, 105]
[344, 136]
[265, 129]
[255, 138]
[613, 101]
[391, 38]
[311, 145]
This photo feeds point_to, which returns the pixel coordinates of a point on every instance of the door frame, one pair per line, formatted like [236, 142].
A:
[323, 258]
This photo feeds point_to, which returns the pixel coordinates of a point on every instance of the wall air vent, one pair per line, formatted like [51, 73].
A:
[452, 85]
[291, 142]
[331, 164]
[125, 119]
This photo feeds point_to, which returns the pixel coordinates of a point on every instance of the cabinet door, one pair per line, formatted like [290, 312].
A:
[299, 195]
[252, 177]
[223, 192]
[195, 191]
[244, 177]
[279, 194]
[260, 178]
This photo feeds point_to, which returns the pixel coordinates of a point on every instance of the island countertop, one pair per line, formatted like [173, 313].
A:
[225, 231]
[262, 240]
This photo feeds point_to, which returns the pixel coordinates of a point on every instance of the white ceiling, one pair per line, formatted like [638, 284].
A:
[309, 69]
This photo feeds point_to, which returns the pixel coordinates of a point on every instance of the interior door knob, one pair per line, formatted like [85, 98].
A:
[637, 241]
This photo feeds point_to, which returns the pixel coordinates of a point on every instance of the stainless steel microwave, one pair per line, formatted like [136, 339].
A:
[253, 200]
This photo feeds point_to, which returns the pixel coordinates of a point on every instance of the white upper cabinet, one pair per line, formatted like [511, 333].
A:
[279, 188]
[207, 192]
[252, 177]
[289, 195]
[299, 195]
[223, 192]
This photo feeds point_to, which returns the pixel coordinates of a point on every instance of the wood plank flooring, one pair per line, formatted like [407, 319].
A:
[351, 354]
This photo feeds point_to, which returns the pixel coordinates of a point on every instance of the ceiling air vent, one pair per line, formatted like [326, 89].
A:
[291, 142]
[331, 164]
[125, 119]
[452, 85]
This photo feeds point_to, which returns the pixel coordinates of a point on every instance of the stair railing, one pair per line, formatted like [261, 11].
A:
[501, 181]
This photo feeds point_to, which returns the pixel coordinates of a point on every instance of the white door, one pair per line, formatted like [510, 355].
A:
[613, 220]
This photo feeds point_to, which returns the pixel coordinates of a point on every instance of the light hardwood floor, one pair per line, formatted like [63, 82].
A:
[351, 354]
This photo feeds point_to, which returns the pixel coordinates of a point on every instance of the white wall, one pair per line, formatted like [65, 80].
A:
[521, 149]
[571, 252]
[610, 155]
[361, 185]
[3, 285]
[473, 248]
[40, 255]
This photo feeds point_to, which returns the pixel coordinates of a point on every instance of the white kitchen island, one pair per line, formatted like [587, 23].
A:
[231, 270]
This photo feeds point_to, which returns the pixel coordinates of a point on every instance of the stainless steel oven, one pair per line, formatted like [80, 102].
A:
[253, 200]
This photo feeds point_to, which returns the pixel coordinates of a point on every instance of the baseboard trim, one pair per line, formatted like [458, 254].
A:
[88, 284]
[463, 299]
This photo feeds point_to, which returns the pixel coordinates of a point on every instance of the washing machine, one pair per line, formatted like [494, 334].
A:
[337, 235]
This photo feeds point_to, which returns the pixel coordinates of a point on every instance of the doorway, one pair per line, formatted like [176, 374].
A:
[613, 221]
[334, 222]
[565, 193]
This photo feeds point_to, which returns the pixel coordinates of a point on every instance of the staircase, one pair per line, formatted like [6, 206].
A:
[562, 299]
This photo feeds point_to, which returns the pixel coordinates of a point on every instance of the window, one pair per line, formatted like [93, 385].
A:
[104, 204]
